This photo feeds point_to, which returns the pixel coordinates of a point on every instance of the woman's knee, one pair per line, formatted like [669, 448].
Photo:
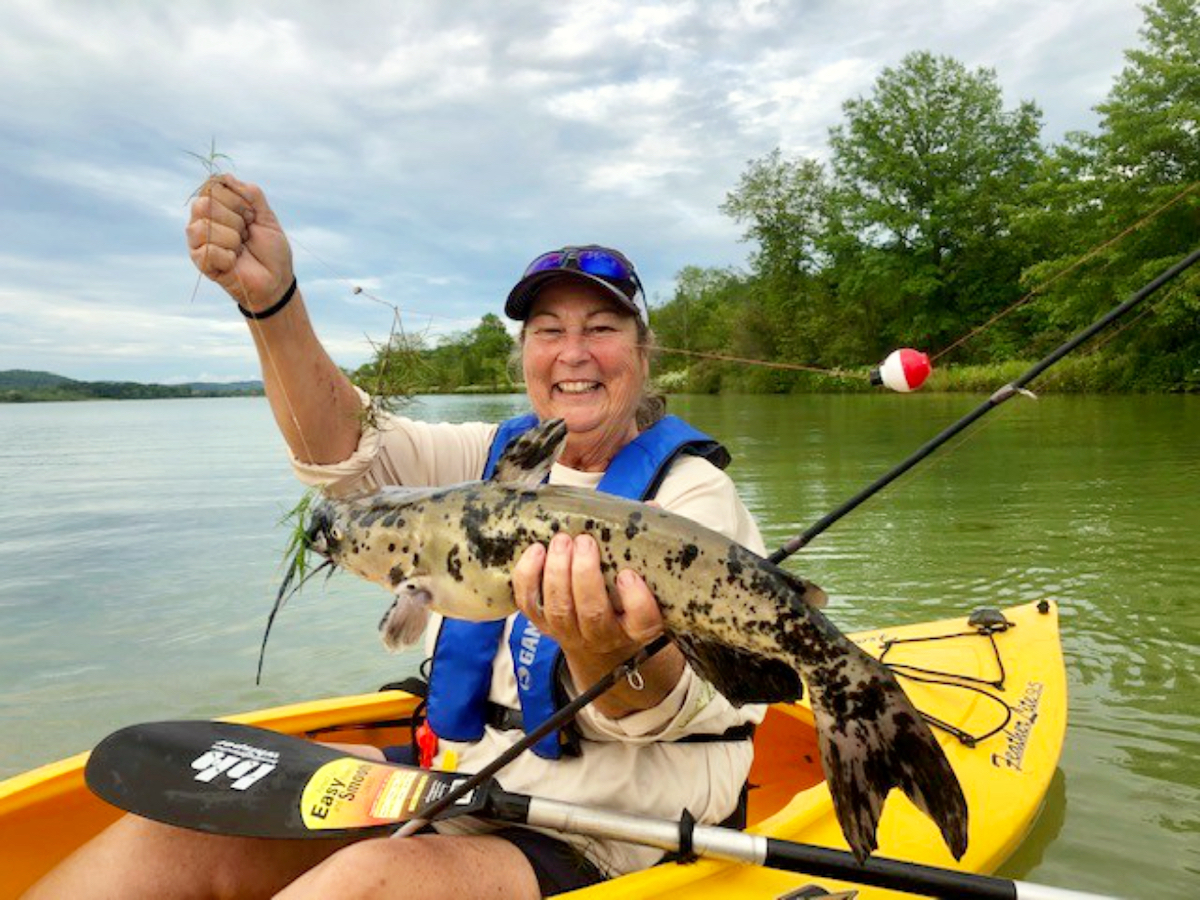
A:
[430, 866]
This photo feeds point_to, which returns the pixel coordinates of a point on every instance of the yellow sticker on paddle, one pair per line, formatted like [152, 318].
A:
[355, 793]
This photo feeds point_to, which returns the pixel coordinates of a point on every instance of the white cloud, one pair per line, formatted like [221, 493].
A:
[425, 151]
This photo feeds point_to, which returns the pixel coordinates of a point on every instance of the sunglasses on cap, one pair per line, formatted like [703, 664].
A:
[607, 264]
[607, 268]
[600, 264]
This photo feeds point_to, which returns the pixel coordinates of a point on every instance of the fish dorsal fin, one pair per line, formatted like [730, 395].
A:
[528, 459]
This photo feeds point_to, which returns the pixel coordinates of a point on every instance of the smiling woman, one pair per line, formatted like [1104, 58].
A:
[658, 744]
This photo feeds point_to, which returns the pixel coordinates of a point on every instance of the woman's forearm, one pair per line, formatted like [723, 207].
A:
[315, 406]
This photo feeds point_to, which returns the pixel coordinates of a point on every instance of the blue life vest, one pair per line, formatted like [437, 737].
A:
[461, 671]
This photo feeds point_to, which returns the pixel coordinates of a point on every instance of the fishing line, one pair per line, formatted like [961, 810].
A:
[1095, 251]
[721, 357]
[841, 373]
[256, 325]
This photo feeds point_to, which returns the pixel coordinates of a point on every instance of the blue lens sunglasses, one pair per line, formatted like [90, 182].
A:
[591, 261]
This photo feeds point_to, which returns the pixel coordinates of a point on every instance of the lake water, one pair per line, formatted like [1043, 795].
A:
[140, 552]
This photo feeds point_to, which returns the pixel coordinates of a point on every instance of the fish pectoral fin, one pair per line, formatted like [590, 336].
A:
[528, 459]
[404, 623]
[741, 677]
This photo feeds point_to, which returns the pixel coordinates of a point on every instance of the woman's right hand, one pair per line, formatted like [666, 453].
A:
[235, 239]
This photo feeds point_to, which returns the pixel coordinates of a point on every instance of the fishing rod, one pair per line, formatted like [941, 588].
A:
[1007, 392]
[231, 779]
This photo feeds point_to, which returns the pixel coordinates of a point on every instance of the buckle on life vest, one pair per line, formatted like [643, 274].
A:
[427, 744]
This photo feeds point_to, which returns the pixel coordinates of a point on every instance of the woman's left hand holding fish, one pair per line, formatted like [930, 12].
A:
[562, 591]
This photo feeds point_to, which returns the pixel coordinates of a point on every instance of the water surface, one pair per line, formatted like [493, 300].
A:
[140, 551]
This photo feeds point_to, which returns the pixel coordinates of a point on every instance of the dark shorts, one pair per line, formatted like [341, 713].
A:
[559, 867]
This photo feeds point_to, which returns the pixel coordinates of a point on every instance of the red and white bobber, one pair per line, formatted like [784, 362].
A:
[904, 370]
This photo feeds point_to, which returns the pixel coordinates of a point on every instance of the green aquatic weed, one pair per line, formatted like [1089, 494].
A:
[296, 551]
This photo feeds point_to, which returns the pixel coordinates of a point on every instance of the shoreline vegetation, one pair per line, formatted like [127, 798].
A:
[26, 386]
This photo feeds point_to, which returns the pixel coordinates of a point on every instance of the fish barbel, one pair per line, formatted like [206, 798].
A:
[742, 623]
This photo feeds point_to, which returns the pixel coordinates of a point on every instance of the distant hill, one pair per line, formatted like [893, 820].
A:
[18, 379]
[25, 386]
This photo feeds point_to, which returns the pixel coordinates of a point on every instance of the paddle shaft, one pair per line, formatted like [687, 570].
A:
[737, 846]
[1004, 393]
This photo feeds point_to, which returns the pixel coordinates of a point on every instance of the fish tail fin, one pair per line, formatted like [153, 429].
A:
[873, 739]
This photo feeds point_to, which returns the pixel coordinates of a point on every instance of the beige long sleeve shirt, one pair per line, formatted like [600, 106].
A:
[629, 763]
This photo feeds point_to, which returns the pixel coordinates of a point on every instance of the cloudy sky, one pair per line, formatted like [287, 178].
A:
[426, 150]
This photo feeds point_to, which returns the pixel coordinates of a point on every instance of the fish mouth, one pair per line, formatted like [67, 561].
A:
[315, 539]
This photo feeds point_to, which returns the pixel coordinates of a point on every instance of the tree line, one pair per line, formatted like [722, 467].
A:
[936, 208]
[475, 361]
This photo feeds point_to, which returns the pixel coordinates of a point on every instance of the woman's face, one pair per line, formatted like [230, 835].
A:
[582, 363]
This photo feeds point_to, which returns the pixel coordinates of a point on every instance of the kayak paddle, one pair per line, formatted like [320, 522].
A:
[225, 778]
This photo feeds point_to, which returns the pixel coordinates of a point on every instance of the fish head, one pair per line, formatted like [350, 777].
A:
[377, 537]
[322, 532]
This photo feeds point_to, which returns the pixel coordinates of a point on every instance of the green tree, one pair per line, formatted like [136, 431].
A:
[1144, 156]
[929, 171]
[784, 206]
[485, 352]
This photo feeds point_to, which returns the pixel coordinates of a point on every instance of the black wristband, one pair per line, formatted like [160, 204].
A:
[271, 310]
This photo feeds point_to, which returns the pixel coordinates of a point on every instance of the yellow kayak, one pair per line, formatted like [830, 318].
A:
[994, 687]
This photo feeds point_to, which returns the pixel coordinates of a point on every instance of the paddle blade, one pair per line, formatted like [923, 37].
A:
[231, 779]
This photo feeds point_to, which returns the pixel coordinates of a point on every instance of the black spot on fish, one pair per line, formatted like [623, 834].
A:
[628, 555]
[395, 576]
[631, 529]
[491, 546]
[605, 534]
[454, 564]
[688, 555]
[391, 548]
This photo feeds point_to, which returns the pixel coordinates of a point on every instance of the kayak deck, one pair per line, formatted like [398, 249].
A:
[48, 812]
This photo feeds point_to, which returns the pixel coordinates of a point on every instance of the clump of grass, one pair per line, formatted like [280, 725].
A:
[396, 365]
[296, 552]
[295, 562]
[211, 162]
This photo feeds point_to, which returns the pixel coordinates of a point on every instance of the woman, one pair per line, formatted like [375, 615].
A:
[661, 742]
